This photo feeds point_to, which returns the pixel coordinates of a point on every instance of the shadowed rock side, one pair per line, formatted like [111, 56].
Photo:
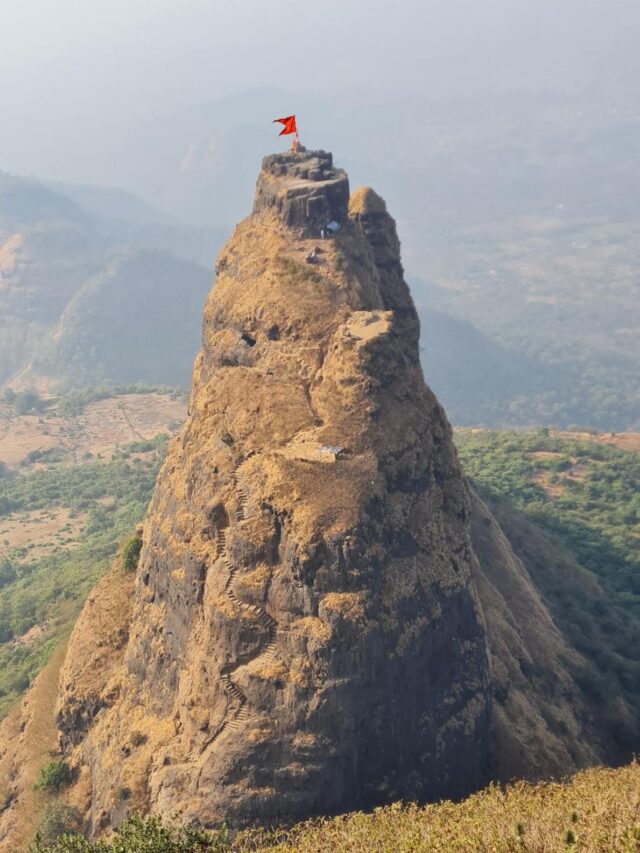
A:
[305, 634]
[542, 725]
[545, 724]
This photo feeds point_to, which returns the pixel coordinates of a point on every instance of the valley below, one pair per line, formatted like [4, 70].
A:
[71, 487]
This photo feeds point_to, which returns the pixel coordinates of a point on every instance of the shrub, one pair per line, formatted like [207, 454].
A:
[137, 738]
[53, 776]
[7, 572]
[136, 835]
[58, 820]
[26, 402]
[131, 554]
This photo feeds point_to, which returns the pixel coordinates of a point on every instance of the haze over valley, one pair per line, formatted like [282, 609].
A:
[514, 181]
[320, 455]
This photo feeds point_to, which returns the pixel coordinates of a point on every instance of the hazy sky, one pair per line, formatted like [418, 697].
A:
[72, 64]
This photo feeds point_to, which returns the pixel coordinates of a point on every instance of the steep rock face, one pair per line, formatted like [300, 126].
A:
[305, 189]
[305, 633]
[547, 721]
[542, 725]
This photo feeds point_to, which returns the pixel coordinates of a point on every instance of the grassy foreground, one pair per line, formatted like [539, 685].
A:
[598, 811]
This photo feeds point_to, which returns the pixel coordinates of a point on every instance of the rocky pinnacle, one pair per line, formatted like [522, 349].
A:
[305, 636]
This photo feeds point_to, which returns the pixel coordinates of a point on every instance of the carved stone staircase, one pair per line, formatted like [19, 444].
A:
[243, 499]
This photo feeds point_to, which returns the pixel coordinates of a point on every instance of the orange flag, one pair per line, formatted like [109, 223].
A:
[289, 125]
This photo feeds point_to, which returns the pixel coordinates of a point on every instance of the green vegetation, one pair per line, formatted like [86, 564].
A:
[140, 836]
[57, 821]
[48, 591]
[24, 402]
[596, 811]
[131, 554]
[53, 776]
[586, 491]
[145, 445]
[570, 507]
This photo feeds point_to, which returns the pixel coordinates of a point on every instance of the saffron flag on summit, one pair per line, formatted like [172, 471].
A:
[289, 125]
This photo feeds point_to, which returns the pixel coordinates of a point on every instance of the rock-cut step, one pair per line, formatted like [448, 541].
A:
[221, 548]
[263, 617]
[230, 725]
[240, 718]
[232, 689]
[243, 499]
[265, 657]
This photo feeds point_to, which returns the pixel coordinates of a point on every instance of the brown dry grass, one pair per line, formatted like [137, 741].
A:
[40, 531]
[132, 417]
[26, 749]
[23, 434]
[621, 440]
[348, 604]
[598, 811]
[311, 626]
[542, 479]
[103, 426]
[544, 454]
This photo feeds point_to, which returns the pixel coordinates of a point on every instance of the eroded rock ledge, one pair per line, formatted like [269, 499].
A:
[305, 188]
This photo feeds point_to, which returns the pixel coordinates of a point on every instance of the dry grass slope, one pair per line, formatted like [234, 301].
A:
[598, 811]
[26, 744]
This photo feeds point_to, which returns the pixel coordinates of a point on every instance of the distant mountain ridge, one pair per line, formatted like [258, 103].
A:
[529, 309]
[138, 317]
[522, 207]
[76, 273]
